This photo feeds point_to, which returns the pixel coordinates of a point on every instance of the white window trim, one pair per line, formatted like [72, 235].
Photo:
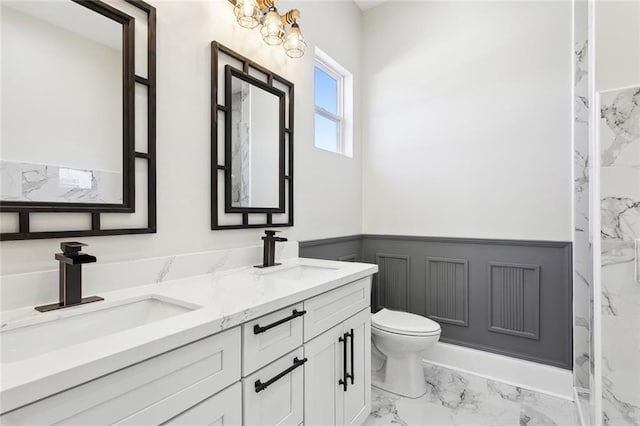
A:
[344, 116]
[337, 118]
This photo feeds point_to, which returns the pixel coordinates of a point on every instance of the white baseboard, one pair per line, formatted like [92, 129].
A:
[541, 378]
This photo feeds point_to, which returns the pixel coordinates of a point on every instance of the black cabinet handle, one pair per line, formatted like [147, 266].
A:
[296, 363]
[345, 375]
[352, 374]
[295, 314]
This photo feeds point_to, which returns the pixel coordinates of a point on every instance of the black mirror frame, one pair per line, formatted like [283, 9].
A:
[231, 72]
[130, 79]
[286, 143]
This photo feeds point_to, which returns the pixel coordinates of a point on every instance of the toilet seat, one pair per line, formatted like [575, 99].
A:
[404, 323]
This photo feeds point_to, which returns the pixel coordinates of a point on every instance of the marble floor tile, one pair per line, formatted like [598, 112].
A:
[455, 398]
[585, 407]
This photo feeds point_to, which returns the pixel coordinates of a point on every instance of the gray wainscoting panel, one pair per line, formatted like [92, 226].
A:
[392, 282]
[514, 299]
[522, 289]
[348, 258]
[347, 249]
[447, 282]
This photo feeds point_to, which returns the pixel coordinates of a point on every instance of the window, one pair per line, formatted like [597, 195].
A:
[333, 98]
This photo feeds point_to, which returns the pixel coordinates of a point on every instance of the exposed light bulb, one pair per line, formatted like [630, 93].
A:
[247, 13]
[272, 28]
[294, 43]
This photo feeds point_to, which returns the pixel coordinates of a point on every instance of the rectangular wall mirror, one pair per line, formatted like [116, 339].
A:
[254, 142]
[66, 98]
[71, 88]
[251, 144]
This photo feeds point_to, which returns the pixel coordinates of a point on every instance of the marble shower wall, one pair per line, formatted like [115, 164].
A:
[619, 141]
[240, 146]
[582, 248]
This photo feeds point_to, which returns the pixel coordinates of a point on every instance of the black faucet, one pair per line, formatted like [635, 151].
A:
[269, 251]
[71, 260]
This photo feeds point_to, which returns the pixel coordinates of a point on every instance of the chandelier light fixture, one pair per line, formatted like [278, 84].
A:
[275, 29]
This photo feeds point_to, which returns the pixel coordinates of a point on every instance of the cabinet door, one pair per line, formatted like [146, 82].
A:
[322, 393]
[224, 408]
[260, 347]
[357, 398]
[281, 401]
[145, 393]
[331, 308]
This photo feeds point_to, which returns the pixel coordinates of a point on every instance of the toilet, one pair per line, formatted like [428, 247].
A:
[398, 341]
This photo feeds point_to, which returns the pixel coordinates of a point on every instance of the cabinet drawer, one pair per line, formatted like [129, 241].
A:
[271, 336]
[281, 402]
[328, 309]
[224, 408]
[210, 364]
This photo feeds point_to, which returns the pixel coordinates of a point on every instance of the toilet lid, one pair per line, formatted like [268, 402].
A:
[404, 323]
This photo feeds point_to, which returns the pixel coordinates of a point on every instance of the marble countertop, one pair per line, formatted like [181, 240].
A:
[226, 299]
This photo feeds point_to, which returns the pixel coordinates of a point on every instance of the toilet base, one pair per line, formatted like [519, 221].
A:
[402, 376]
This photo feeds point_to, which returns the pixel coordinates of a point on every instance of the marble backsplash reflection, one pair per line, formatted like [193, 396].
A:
[620, 217]
[49, 183]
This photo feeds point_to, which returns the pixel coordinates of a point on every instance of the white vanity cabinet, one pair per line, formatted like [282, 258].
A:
[224, 408]
[337, 387]
[308, 384]
[272, 345]
[308, 363]
[147, 393]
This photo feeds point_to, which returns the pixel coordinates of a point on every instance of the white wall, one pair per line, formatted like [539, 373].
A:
[467, 119]
[617, 44]
[327, 186]
[264, 148]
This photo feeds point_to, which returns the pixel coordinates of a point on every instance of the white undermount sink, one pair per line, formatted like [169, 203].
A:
[299, 272]
[71, 326]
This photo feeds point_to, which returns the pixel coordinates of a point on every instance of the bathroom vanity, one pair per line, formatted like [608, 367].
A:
[283, 345]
